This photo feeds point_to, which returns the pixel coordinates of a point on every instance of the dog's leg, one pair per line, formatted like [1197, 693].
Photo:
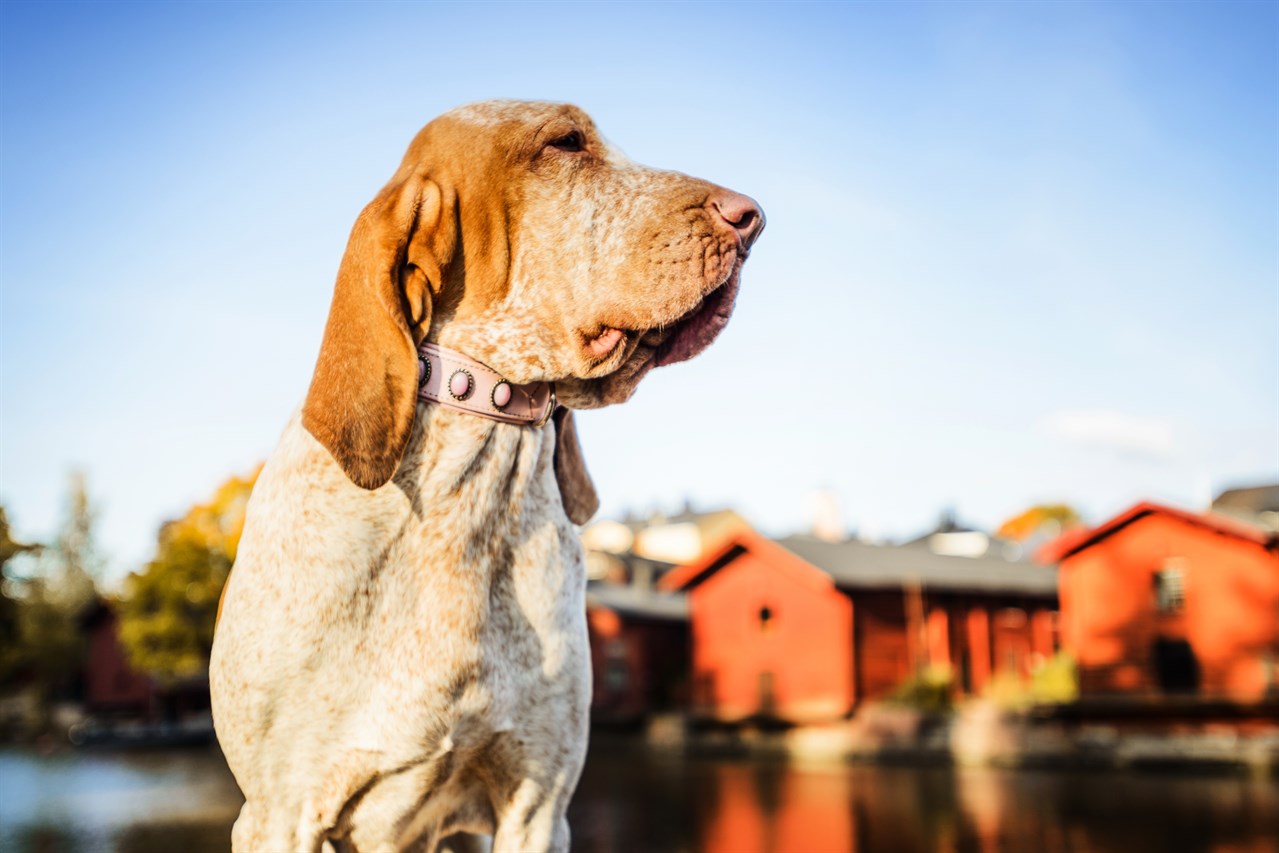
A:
[256, 830]
[246, 834]
[559, 841]
[465, 842]
[327, 809]
[533, 820]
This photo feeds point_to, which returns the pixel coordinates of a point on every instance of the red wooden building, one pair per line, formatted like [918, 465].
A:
[112, 688]
[1158, 600]
[802, 630]
[639, 652]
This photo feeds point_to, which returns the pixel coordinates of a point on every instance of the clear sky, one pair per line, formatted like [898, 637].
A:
[1021, 252]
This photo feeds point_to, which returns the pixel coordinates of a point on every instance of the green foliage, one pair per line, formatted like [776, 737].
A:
[40, 612]
[928, 690]
[13, 651]
[49, 644]
[9, 548]
[169, 609]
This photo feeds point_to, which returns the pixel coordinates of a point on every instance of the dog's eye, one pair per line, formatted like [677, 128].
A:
[569, 142]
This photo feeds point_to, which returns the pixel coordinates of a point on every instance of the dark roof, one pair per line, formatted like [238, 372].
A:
[857, 564]
[1077, 540]
[1252, 500]
[644, 603]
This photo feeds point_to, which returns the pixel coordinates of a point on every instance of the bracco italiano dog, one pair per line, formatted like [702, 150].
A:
[402, 652]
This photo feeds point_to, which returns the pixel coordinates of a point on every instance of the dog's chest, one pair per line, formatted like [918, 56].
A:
[524, 625]
[486, 597]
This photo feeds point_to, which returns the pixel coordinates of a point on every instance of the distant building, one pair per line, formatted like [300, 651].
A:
[950, 538]
[638, 634]
[802, 630]
[639, 550]
[1256, 505]
[112, 687]
[114, 690]
[1158, 600]
[639, 652]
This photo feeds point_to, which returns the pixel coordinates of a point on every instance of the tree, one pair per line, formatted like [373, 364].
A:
[168, 610]
[45, 606]
[13, 651]
[74, 563]
[10, 548]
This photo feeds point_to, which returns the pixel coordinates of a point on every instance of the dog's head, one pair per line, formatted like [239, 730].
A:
[512, 232]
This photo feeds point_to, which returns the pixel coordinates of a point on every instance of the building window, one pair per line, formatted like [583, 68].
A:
[766, 617]
[616, 670]
[1170, 586]
[616, 676]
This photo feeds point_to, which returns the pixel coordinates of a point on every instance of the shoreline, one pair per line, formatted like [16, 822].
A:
[983, 734]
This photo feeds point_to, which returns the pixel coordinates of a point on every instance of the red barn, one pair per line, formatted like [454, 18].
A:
[111, 686]
[801, 630]
[639, 652]
[1158, 600]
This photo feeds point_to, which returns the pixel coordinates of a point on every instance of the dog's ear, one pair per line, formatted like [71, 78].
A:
[363, 394]
[576, 489]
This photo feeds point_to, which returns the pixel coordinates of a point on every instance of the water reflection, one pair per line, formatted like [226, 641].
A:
[633, 800]
[94, 801]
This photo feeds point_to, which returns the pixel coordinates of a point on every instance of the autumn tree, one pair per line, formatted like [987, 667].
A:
[168, 610]
[1043, 521]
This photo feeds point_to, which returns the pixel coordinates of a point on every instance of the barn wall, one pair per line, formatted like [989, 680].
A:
[1229, 623]
[772, 641]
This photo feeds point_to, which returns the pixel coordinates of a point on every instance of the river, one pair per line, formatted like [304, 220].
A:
[632, 799]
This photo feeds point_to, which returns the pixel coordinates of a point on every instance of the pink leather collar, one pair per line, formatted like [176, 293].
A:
[458, 382]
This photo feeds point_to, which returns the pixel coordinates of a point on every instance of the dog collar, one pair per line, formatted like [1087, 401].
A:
[456, 381]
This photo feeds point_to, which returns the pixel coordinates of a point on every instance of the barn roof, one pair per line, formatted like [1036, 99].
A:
[642, 603]
[860, 565]
[1257, 505]
[857, 565]
[1077, 540]
[1250, 499]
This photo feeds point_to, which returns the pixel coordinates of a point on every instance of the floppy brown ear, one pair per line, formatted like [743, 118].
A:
[576, 489]
[363, 394]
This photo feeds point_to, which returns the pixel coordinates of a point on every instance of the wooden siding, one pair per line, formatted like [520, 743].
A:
[1223, 641]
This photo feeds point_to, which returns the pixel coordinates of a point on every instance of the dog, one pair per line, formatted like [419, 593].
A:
[402, 653]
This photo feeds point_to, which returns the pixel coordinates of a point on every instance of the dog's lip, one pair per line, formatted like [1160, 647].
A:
[697, 329]
[603, 341]
[601, 345]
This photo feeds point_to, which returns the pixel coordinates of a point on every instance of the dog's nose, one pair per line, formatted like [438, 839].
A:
[742, 213]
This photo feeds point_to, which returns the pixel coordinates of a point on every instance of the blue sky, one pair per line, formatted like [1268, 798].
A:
[1023, 252]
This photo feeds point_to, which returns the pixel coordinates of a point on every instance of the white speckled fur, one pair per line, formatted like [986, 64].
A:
[397, 664]
[427, 637]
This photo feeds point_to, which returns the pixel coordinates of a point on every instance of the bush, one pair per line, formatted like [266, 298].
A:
[928, 690]
[1053, 682]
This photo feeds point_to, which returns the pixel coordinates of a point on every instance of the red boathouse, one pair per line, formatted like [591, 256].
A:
[802, 630]
[1162, 601]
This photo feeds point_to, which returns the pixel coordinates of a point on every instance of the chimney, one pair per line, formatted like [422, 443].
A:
[828, 519]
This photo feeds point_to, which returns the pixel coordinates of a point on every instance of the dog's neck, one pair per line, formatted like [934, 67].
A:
[477, 475]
